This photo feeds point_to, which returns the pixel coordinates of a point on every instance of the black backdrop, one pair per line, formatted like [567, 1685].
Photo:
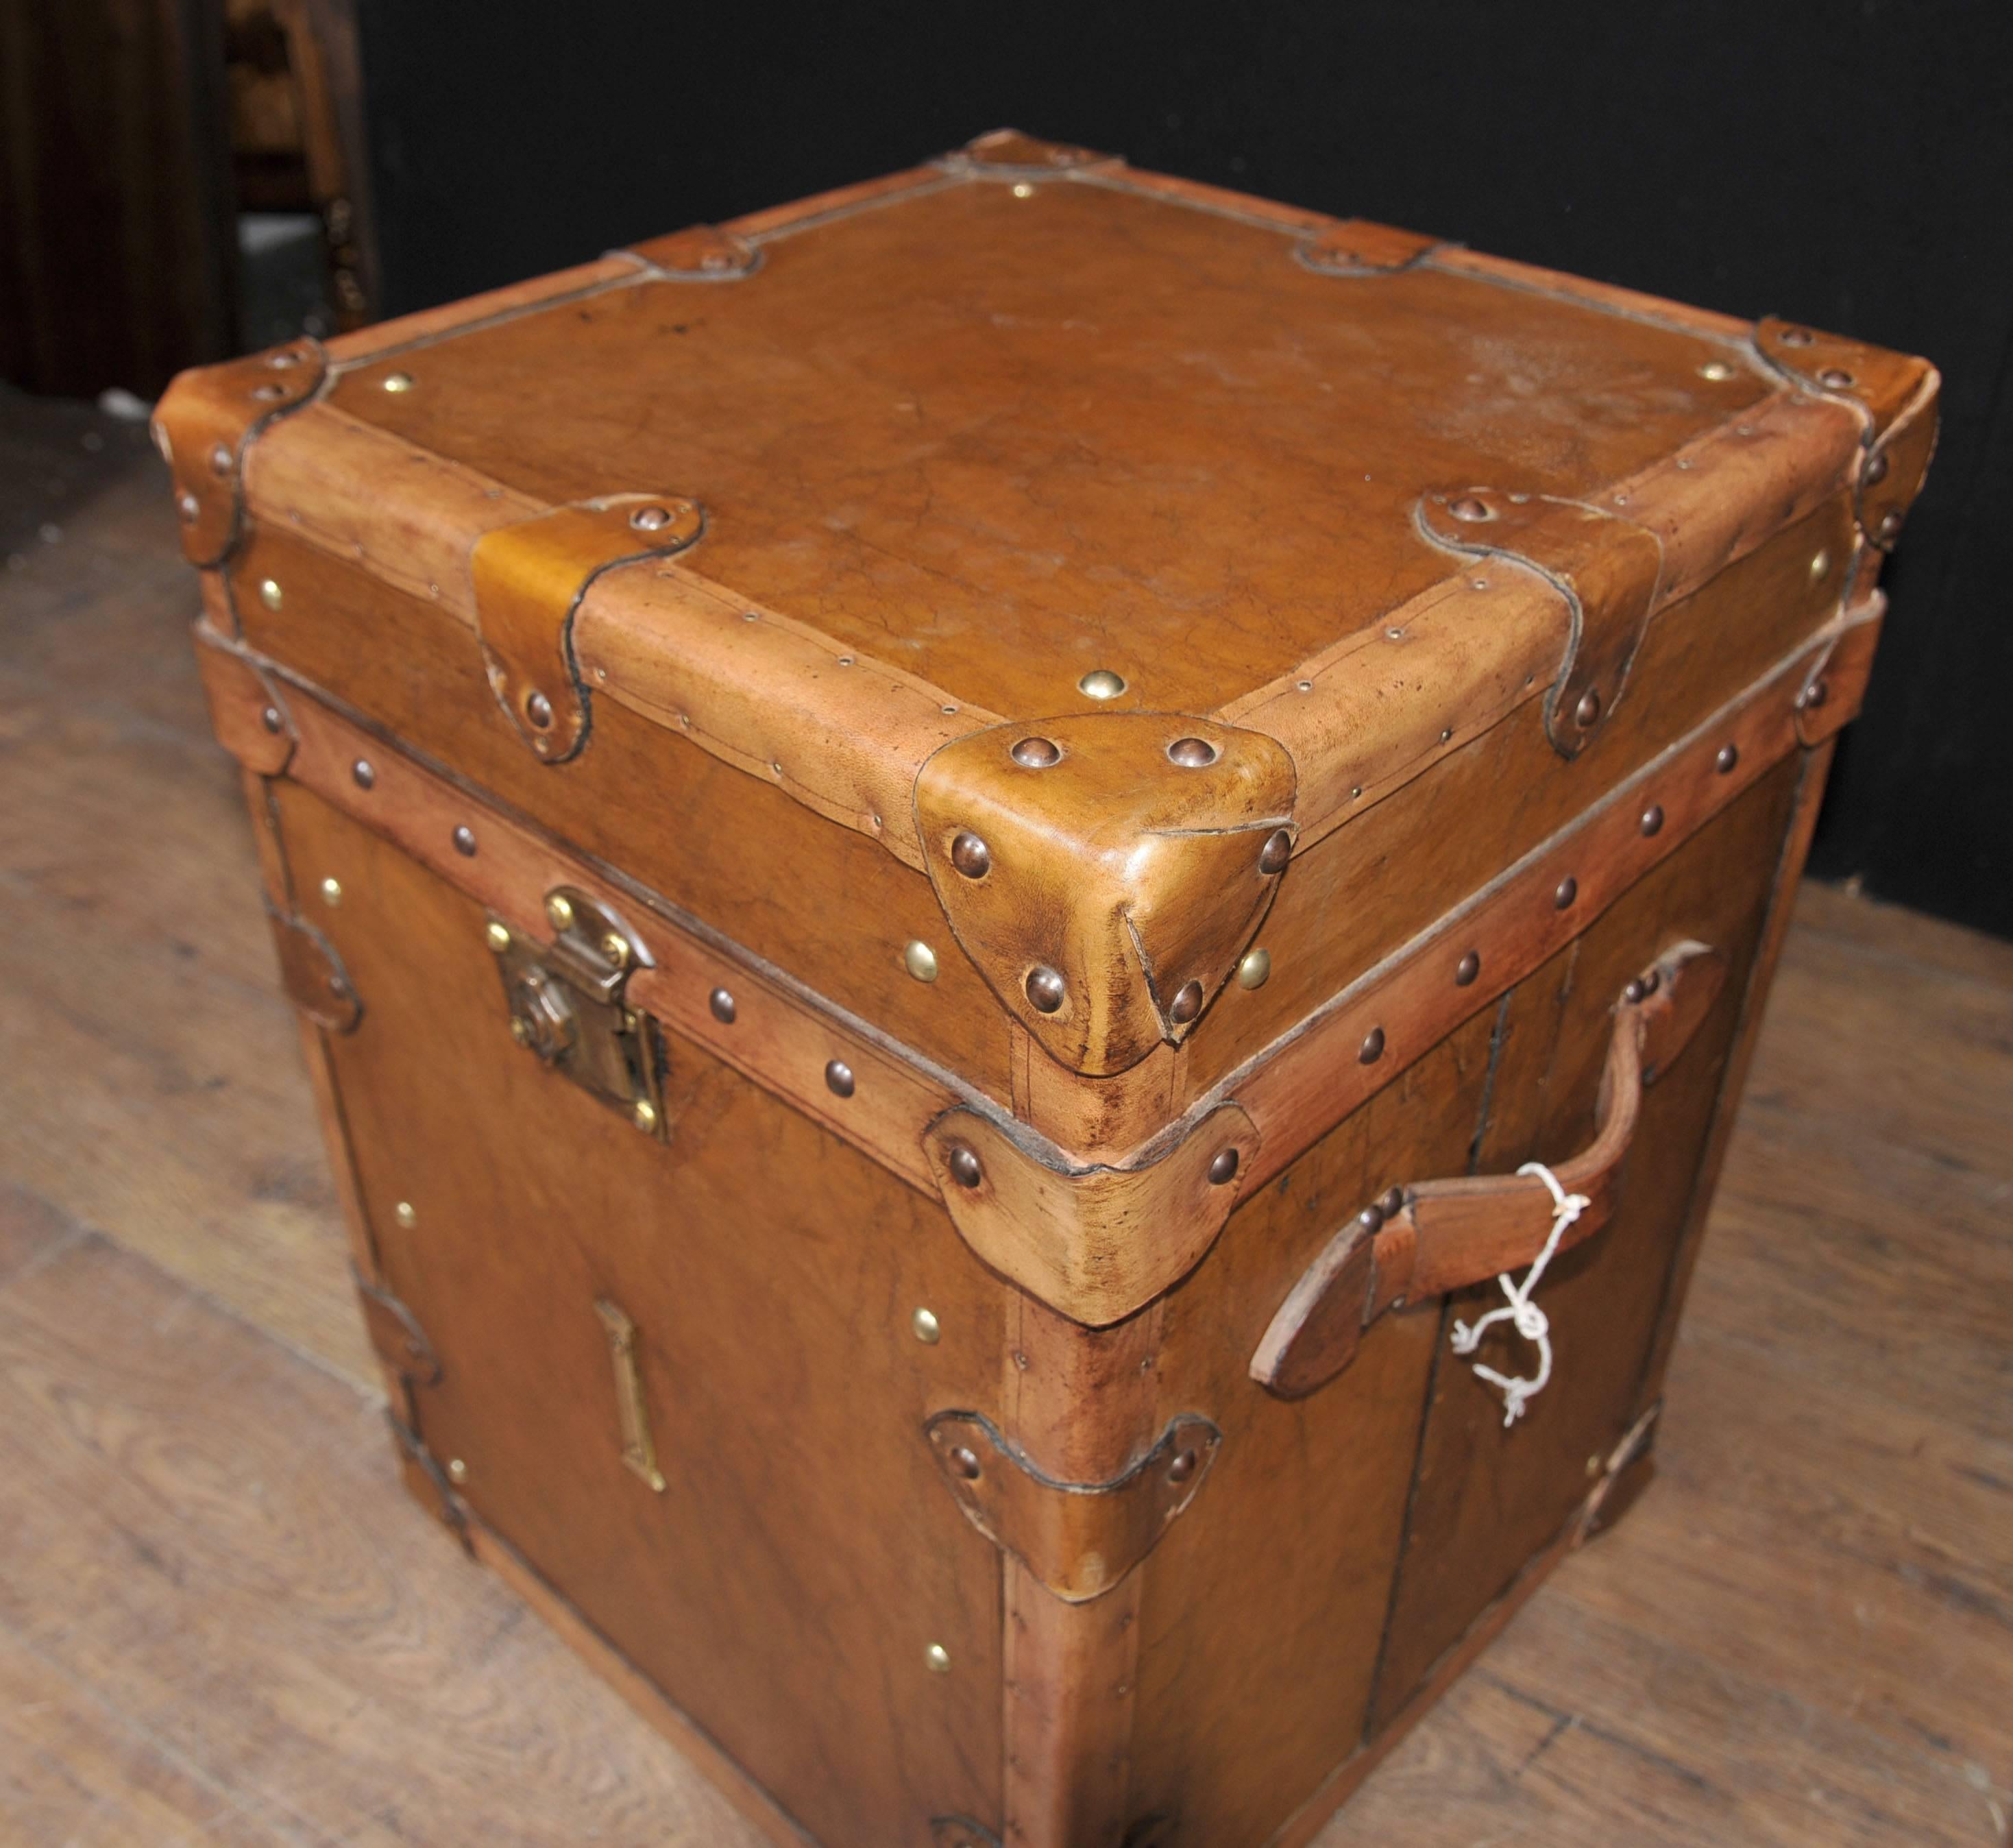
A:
[1847, 164]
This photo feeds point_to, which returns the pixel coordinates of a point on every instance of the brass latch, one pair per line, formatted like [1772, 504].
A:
[566, 1005]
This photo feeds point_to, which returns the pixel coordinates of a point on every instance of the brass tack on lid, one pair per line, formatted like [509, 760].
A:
[1372, 1049]
[331, 892]
[1278, 848]
[970, 855]
[1716, 370]
[1101, 683]
[919, 960]
[538, 709]
[1589, 709]
[270, 593]
[1035, 753]
[497, 935]
[1467, 969]
[938, 1658]
[1794, 336]
[270, 718]
[457, 1470]
[1837, 377]
[1471, 508]
[1255, 969]
[615, 947]
[1729, 755]
[558, 908]
[1820, 566]
[1568, 890]
[838, 1078]
[1193, 753]
[1186, 1004]
[464, 837]
[721, 1004]
[926, 1328]
[189, 507]
[1046, 988]
[964, 1462]
[650, 519]
[1223, 1168]
[395, 382]
[645, 1115]
[1183, 1467]
[963, 1161]
[220, 459]
[404, 1213]
[362, 773]
[1653, 818]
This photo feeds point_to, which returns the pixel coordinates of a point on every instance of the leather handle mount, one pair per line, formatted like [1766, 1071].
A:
[1434, 1236]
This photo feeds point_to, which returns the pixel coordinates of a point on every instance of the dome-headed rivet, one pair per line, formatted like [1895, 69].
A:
[925, 1327]
[650, 519]
[220, 459]
[1634, 992]
[1372, 1049]
[964, 1462]
[1652, 979]
[1186, 1004]
[520, 1029]
[839, 1077]
[1371, 1217]
[963, 1161]
[396, 382]
[1278, 848]
[270, 593]
[1193, 753]
[1568, 890]
[1392, 1201]
[1467, 969]
[362, 774]
[1101, 683]
[498, 936]
[1834, 378]
[938, 1658]
[1890, 523]
[538, 709]
[1820, 566]
[1653, 818]
[270, 717]
[188, 506]
[970, 855]
[1223, 1168]
[1794, 336]
[721, 1004]
[1716, 369]
[1035, 753]
[1045, 989]
[1471, 508]
[404, 1214]
[1255, 969]
[1729, 755]
[464, 837]
[331, 892]
[643, 1115]
[1814, 695]
[1875, 470]
[457, 1471]
[558, 908]
[1589, 709]
[1183, 1467]
[615, 947]
[919, 960]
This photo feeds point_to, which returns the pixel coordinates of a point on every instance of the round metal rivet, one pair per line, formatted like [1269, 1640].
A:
[1392, 1201]
[520, 1029]
[331, 892]
[558, 908]
[1652, 979]
[1634, 992]
[838, 1078]
[615, 947]
[1278, 848]
[645, 1114]
[499, 936]
[270, 593]
[270, 718]
[1186, 1004]
[1372, 1049]
[1045, 989]
[970, 855]
[964, 1462]
[1876, 471]
[1467, 969]
[1371, 1217]
[1255, 970]
[925, 1327]
[1653, 818]
[1022, 190]
[1567, 891]
[395, 382]
[538, 708]
[1814, 695]
[1835, 378]
[362, 774]
[962, 1159]
[1820, 566]
[457, 1470]
[464, 837]
[269, 392]
[220, 459]
[919, 960]
[1471, 508]
[1183, 1467]
[938, 1657]
[1035, 753]
[650, 519]
[1794, 336]
[1224, 1167]
[1589, 709]
[1101, 683]
[1193, 753]
[721, 1002]
[1729, 755]
[1716, 369]
[189, 507]
[1890, 523]
[406, 1217]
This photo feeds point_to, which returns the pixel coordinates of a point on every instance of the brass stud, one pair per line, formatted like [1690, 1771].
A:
[650, 519]
[1834, 378]
[615, 947]
[406, 1217]
[1568, 890]
[1589, 709]
[520, 1029]
[1193, 753]
[1467, 969]
[925, 1327]
[1875, 470]
[938, 1659]
[559, 908]
[1471, 509]
[270, 593]
[1729, 755]
[963, 1161]
[1047, 988]
[1255, 970]
[331, 892]
[970, 855]
[919, 960]
[1183, 1467]
[1223, 1169]
[362, 773]
[839, 1077]
[1820, 566]
[464, 837]
[721, 1004]
[396, 382]
[499, 936]
[1186, 1004]
[1022, 190]
[1653, 818]
[188, 506]
[270, 717]
[1278, 848]
[1035, 753]
[457, 1471]
[220, 459]
[645, 1115]
[964, 1462]
[1101, 683]
[538, 708]
[1716, 370]
[1372, 1049]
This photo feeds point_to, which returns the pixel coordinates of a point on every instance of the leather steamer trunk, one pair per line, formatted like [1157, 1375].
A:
[941, 852]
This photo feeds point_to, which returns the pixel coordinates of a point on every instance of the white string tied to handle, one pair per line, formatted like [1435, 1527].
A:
[1529, 1320]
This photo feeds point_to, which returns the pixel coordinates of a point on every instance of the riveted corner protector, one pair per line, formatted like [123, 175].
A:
[1079, 1538]
[248, 712]
[1007, 154]
[699, 253]
[208, 419]
[1095, 1244]
[312, 973]
[1105, 871]
[1836, 685]
[1357, 247]
[401, 1342]
[1607, 568]
[529, 579]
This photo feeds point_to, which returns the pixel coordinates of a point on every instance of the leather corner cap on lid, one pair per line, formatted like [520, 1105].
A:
[1104, 871]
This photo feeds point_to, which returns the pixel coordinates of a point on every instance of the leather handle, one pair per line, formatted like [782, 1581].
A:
[1434, 1236]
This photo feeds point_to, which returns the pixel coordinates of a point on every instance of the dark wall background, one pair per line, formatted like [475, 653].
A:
[1849, 165]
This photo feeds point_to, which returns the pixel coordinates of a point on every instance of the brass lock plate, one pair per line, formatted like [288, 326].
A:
[567, 1009]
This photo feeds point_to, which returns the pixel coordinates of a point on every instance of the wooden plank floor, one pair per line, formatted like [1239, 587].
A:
[221, 1619]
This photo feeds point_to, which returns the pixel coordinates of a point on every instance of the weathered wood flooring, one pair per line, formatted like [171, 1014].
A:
[222, 1620]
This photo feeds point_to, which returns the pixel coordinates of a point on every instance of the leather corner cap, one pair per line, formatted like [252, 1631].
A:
[1104, 871]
